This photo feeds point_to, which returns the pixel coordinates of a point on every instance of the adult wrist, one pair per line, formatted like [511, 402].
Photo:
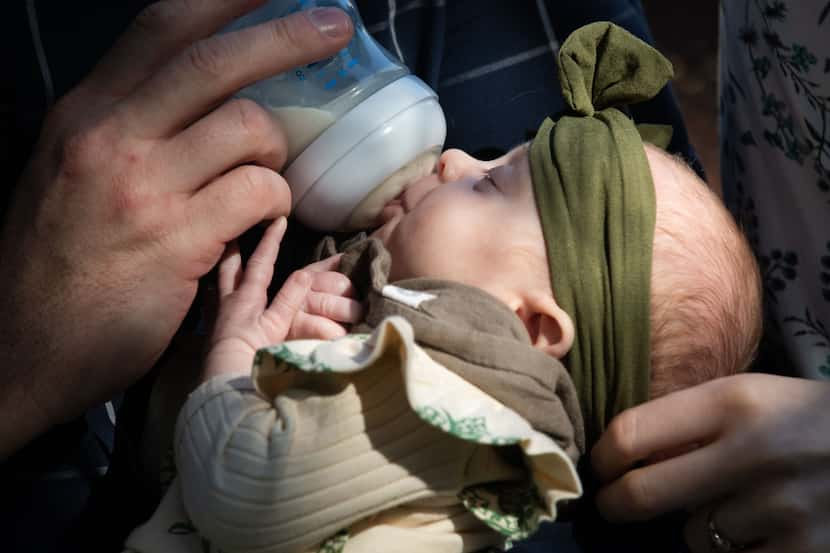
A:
[24, 418]
[24, 352]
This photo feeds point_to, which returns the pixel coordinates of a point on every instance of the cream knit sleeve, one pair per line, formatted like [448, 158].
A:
[283, 474]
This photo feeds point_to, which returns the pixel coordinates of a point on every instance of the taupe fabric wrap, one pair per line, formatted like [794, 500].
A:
[474, 335]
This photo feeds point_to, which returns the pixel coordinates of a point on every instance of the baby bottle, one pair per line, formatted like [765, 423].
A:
[359, 126]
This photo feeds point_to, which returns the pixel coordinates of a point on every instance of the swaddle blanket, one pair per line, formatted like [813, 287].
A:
[364, 443]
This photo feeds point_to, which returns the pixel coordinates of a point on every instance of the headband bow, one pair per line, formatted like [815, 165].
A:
[595, 198]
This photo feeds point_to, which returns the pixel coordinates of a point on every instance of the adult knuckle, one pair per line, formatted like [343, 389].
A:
[127, 210]
[286, 33]
[129, 201]
[252, 118]
[264, 189]
[249, 182]
[156, 17]
[83, 150]
[209, 56]
[622, 435]
[743, 402]
[254, 181]
[638, 495]
[274, 144]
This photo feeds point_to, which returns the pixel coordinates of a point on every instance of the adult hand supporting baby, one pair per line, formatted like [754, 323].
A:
[748, 455]
[137, 183]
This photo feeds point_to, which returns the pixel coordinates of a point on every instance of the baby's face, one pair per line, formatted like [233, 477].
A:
[466, 222]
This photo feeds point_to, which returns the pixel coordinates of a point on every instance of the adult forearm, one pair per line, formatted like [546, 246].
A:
[63, 345]
[41, 355]
[23, 351]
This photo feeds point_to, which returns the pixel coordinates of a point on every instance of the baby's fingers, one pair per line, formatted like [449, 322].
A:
[307, 327]
[287, 304]
[330, 282]
[334, 307]
[230, 269]
[260, 267]
[325, 265]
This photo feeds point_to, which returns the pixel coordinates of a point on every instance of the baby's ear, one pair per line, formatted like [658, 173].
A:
[550, 327]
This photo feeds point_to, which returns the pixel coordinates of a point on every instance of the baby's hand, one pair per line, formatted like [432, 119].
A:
[311, 304]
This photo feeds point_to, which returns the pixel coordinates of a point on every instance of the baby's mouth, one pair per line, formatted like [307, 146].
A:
[393, 207]
[397, 200]
[389, 217]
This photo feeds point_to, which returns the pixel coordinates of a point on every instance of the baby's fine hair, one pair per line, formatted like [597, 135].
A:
[705, 288]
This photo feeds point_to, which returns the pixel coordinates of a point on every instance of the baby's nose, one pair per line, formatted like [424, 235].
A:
[456, 164]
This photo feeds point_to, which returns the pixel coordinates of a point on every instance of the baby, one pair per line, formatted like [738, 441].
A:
[454, 426]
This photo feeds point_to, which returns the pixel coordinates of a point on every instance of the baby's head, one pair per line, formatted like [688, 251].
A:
[476, 222]
[705, 285]
[614, 255]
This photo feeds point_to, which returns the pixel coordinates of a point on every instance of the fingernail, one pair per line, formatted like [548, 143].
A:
[330, 21]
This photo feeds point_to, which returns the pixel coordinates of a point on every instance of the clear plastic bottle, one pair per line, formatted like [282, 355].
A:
[359, 126]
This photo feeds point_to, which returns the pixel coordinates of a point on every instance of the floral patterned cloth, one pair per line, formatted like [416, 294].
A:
[445, 401]
[775, 127]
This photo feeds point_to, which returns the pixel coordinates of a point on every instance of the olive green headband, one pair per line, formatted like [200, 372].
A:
[595, 198]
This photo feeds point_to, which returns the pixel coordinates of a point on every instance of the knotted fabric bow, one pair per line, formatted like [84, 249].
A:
[595, 197]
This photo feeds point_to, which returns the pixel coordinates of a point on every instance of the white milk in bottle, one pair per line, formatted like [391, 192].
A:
[359, 126]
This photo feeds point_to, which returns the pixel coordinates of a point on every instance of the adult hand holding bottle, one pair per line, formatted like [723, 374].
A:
[137, 183]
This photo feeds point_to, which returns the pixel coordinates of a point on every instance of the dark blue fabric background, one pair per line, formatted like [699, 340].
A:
[54, 497]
